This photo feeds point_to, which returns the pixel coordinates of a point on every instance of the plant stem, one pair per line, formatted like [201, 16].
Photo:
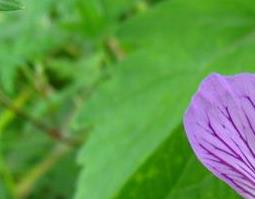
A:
[53, 133]
[7, 176]
[113, 46]
[24, 188]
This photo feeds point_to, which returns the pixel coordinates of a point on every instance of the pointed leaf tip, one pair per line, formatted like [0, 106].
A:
[220, 125]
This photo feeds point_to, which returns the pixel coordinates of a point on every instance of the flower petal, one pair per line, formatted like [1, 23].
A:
[220, 125]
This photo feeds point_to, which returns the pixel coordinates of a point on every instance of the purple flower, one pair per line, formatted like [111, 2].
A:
[220, 125]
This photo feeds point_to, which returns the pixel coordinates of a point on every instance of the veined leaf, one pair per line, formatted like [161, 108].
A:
[10, 5]
[135, 150]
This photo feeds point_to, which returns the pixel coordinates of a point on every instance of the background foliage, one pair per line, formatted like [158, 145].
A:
[116, 76]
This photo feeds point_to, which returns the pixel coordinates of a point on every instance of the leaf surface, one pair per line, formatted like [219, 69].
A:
[137, 149]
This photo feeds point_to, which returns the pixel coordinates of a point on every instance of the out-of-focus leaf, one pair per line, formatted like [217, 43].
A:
[97, 18]
[3, 193]
[9, 5]
[135, 150]
[27, 38]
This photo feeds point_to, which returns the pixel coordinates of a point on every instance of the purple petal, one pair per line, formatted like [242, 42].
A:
[220, 125]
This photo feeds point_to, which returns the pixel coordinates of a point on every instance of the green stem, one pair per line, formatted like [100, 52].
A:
[25, 187]
[6, 175]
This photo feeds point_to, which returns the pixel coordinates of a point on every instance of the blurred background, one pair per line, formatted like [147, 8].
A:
[92, 94]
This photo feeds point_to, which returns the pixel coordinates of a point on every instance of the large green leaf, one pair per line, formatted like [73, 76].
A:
[9, 5]
[156, 174]
[137, 148]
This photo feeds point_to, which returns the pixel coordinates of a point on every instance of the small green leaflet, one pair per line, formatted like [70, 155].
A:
[10, 5]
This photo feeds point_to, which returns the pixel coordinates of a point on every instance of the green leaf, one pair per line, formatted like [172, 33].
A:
[27, 37]
[137, 148]
[100, 16]
[156, 173]
[9, 5]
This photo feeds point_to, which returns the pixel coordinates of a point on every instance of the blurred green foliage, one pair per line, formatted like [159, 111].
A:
[7, 5]
[116, 75]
